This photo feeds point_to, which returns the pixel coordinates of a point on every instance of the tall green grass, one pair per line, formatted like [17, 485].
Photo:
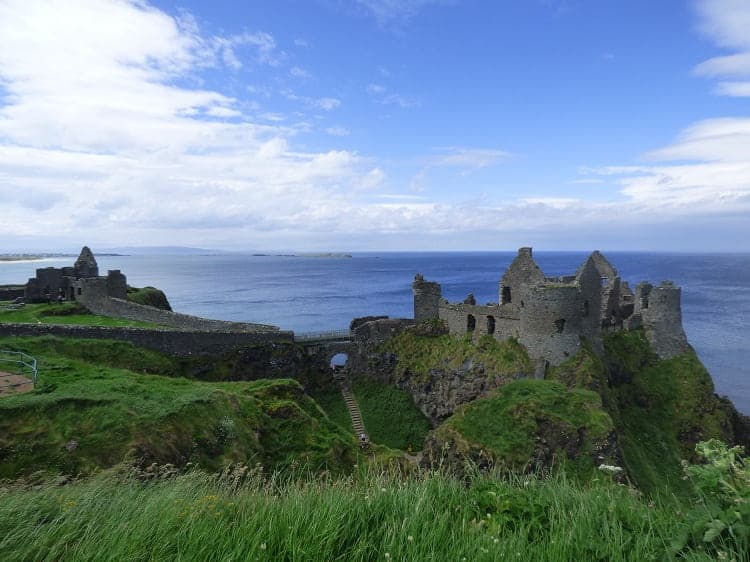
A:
[69, 314]
[364, 517]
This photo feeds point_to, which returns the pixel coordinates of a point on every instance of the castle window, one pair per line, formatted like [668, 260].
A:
[644, 302]
[560, 325]
[605, 281]
[506, 295]
[585, 308]
[79, 290]
[471, 323]
[490, 325]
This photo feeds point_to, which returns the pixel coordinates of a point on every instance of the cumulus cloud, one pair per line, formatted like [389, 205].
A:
[97, 138]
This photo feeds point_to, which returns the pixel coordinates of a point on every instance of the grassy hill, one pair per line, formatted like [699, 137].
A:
[100, 403]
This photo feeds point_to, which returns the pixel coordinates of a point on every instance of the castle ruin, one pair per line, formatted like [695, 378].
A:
[79, 282]
[551, 315]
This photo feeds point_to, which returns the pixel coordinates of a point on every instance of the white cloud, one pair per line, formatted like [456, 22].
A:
[469, 158]
[299, 72]
[394, 11]
[338, 131]
[727, 22]
[327, 104]
[375, 89]
[380, 94]
[218, 111]
[98, 140]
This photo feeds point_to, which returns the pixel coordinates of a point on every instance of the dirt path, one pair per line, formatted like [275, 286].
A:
[14, 384]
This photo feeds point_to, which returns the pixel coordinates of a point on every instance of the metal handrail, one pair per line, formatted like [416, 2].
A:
[314, 336]
[23, 359]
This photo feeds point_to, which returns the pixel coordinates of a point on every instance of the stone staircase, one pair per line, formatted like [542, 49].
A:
[354, 412]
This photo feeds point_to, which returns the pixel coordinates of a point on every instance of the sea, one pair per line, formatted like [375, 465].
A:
[321, 293]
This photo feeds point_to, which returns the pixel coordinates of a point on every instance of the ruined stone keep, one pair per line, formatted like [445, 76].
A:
[80, 282]
[551, 315]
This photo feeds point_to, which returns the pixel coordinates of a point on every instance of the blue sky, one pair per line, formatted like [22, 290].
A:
[376, 124]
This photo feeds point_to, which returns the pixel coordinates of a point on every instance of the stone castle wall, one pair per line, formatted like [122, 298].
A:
[661, 316]
[499, 321]
[120, 308]
[551, 322]
[171, 342]
[9, 293]
[550, 316]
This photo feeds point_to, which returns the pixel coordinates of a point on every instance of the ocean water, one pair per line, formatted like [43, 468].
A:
[309, 294]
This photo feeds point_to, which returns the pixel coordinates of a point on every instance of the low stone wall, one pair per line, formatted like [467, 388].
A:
[172, 342]
[9, 293]
[119, 308]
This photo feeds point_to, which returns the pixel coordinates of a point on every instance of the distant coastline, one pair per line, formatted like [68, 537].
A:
[330, 255]
[40, 257]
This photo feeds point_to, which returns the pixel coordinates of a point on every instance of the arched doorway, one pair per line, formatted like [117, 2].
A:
[338, 361]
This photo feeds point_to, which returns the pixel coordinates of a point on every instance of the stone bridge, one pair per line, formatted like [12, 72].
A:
[328, 344]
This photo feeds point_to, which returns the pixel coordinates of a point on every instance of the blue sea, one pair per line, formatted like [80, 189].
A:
[308, 294]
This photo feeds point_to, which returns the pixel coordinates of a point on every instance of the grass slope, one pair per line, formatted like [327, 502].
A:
[527, 422]
[390, 416]
[419, 354]
[361, 518]
[93, 393]
[149, 296]
[66, 313]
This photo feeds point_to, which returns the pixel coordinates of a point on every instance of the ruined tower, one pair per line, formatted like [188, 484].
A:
[86, 266]
[427, 295]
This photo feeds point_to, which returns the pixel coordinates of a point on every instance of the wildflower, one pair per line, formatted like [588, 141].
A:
[496, 540]
[610, 468]
[409, 538]
[262, 546]
[383, 490]
[387, 555]
[722, 555]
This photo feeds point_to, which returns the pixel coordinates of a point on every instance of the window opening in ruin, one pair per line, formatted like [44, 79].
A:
[338, 361]
[560, 325]
[523, 304]
[490, 325]
[605, 281]
[471, 323]
[79, 290]
[585, 308]
[644, 302]
[506, 295]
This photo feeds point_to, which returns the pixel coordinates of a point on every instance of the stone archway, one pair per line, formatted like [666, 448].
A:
[339, 361]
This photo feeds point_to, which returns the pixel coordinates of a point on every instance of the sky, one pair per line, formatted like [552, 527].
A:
[354, 125]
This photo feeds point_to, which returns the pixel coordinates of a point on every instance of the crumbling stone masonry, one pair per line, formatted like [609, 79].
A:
[75, 283]
[550, 315]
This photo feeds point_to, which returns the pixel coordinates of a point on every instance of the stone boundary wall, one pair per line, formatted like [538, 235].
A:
[10, 293]
[171, 342]
[119, 308]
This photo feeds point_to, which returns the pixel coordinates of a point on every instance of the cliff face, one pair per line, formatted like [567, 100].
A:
[442, 372]
[627, 407]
